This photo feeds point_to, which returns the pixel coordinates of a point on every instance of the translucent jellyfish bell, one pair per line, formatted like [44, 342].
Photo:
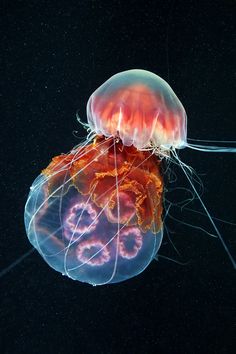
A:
[141, 109]
[95, 213]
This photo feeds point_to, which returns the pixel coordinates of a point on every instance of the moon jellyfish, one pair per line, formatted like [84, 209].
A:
[95, 213]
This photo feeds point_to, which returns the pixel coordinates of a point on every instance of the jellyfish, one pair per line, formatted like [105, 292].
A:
[95, 214]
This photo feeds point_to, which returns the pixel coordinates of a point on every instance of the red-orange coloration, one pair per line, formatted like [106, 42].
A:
[138, 115]
[111, 173]
[141, 109]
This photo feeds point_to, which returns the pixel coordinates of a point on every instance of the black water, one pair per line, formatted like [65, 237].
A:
[54, 55]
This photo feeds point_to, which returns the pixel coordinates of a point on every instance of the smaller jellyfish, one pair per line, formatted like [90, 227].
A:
[95, 214]
[141, 109]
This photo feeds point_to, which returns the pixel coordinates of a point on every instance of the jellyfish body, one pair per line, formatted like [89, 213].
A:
[95, 213]
[141, 109]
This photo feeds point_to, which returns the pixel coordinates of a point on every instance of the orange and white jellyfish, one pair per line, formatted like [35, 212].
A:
[95, 214]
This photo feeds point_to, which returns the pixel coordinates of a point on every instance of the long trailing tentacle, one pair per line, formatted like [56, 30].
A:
[185, 171]
[208, 147]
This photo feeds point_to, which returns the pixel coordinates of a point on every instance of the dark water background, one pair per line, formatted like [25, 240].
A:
[54, 55]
